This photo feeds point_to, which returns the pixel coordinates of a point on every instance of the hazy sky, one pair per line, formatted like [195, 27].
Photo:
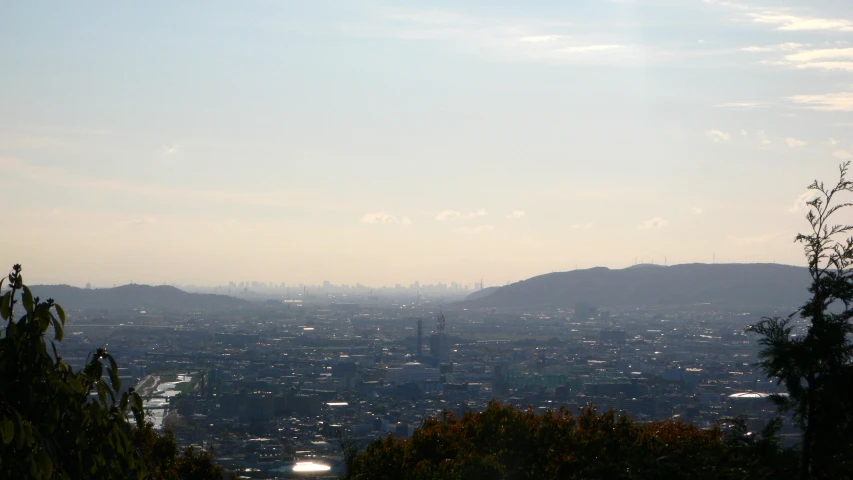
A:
[382, 142]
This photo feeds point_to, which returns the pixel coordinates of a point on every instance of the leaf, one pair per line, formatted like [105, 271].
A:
[60, 312]
[5, 311]
[45, 464]
[57, 328]
[29, 304]
[114, 374]
[137, 401]
[7, 430]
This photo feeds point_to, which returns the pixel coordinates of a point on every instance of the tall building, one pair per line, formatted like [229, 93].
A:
[439, 344]
[419, 349]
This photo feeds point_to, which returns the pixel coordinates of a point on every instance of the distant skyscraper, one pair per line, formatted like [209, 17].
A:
[420, 338]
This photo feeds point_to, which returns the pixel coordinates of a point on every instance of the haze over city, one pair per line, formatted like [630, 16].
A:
[383, 143]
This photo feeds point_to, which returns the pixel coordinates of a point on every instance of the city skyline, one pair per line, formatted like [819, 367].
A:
[379, 142]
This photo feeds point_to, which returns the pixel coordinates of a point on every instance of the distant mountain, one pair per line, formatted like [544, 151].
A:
[482, 293]
[128, 297]
[723, 285]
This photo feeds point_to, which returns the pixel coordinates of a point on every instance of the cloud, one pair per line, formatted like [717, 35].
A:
[479, 213]
[824, 58]
[828, 102]
[765, 140]
[453, 214]
[795, 143]
[696, 211]
[592, 48]
[787, 22]
[516, 214]
[138, 221]
[742, 105]
[802, 200]
[541, 38]
[775, 48]
[831, 141]
[583, 226]
[655, 222]
[447, 215]
[171, 149]
[495, 36]
[477, 230]
[843, 154]
[718, 135]
[384, 218]
[757, 240]
[744, 132]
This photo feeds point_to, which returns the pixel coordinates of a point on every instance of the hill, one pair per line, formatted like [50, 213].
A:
[133, 296]
[724, 285]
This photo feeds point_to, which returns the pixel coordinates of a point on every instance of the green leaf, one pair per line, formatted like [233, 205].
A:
[57, 328]
[29, 304]
[137, 401]
[114, 374]
[60, 312]
[45, 464]
[7, 430]
[5, 311]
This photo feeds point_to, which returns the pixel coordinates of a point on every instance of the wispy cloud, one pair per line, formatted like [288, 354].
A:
[541, 38]
[755, 240]
[843, 154]
[718, 135]
[655, 222]
[830, 102]
[782, 47]
[477, 213]
[592, 48]
[385, 218]
[784, 19]
[765, 140]
[171, 149]
[825, 59]
[510, 38]
[477, 229]
[515, 214]
[696, 211]
[583, 226]
[138, 221]
[802, 200]
[795, 143]
[788, 22]
[447, 215]
[742, 105]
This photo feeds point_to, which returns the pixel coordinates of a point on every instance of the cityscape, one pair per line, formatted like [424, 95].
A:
[273, 385]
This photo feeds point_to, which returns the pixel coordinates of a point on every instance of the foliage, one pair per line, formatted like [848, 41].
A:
[816, 367]
[56, 423]
[506, 443]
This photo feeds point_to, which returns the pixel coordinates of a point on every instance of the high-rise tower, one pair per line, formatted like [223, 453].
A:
[420, 339]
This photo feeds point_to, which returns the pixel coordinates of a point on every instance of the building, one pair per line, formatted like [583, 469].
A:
[412, 372]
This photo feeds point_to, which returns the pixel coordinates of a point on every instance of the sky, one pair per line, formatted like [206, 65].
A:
[386, 142]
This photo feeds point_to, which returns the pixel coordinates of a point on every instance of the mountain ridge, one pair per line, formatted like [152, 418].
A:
[135, 297]
[731, 284]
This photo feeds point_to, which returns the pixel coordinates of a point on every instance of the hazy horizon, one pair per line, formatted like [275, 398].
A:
[382, 143]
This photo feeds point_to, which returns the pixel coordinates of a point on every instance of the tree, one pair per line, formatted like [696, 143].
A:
[816, 367]
[503, 442]
[56, 423]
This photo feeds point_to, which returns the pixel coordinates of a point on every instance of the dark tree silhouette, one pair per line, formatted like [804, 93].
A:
[56, 423]
[815, 367]
[506, 443]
